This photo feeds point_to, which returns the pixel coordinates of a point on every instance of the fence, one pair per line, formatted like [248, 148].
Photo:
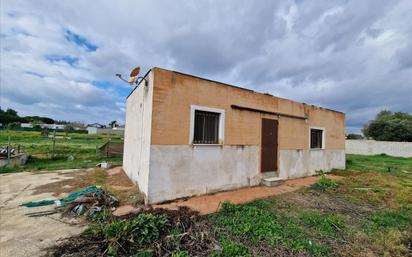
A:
[111, 149]
[372, 147]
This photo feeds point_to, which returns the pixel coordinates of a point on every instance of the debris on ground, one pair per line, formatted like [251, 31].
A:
[90, 200]
[104, 165]
[151, 232]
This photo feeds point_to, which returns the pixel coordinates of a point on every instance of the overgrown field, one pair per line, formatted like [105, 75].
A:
[367, 213]
[77, 152]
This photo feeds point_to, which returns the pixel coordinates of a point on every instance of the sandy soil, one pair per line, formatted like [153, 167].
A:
[21, 235]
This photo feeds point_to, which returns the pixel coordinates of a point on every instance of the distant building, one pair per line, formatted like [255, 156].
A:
[48, 126]
[100, 129]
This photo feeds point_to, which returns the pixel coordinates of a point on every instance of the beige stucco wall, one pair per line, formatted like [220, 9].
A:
[174, 93]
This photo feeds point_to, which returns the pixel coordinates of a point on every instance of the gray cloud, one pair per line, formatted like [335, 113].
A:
[353, 56]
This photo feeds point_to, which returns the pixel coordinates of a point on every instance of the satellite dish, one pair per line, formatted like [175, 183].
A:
[134, 75]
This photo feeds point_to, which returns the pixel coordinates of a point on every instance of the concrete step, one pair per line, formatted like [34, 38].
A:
[270, 174]
[272, 182]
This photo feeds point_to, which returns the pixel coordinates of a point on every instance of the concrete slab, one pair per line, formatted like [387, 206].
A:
[207, 204]
[21, 235]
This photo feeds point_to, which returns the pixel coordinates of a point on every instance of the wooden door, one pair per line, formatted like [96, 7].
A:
[269, 151]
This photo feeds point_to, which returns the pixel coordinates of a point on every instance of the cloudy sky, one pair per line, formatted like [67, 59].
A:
[58, 58]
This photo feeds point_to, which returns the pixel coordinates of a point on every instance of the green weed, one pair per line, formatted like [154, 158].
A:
[324, 183]
[137, 231]
[231, 249]
[389, 219]
[327, 224]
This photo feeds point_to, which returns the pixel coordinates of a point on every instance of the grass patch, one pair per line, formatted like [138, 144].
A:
[389, 219]
[259, 225]
[378, 163]
[72, 151]
[327, 224]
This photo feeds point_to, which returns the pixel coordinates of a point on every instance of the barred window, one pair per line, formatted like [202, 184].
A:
[316, 138]
[206, 127]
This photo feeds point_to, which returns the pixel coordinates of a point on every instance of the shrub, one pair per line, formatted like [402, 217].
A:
[325, 183]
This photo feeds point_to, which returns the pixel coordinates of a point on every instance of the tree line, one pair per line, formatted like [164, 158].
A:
[10, 116]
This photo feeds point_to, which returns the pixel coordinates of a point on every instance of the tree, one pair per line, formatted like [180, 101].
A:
[389, 126]
[10, 116]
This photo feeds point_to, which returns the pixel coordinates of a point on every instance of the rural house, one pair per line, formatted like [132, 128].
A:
[187, 136]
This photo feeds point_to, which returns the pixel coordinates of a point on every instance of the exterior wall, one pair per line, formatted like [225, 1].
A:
[372, 147]
[183, 170]
[136, 155]
[303, 163]
[105, 131]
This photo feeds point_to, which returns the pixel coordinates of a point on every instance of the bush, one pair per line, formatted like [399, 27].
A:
[325, 183]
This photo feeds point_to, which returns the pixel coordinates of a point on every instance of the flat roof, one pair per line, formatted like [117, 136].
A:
[226, 84]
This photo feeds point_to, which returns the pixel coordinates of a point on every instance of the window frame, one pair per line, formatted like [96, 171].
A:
[323, 138]
[221, 132]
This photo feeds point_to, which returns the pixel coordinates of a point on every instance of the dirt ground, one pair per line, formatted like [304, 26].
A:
[21, 235]
[206, 204]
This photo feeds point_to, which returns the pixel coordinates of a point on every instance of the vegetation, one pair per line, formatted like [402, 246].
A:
[10, 116]
[71, 150]
[389, 126]
[366, 213]
[325, 183]
[354, 136]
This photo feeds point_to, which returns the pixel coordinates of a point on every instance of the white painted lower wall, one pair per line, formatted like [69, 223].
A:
[303, 163]
[183, 170]
[372, 147]
[136, 151]
[178, 171]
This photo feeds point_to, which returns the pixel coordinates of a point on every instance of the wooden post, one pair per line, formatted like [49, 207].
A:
[8, 148]
[54, 143]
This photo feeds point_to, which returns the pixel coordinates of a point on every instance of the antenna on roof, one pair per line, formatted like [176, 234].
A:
[133, 77]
